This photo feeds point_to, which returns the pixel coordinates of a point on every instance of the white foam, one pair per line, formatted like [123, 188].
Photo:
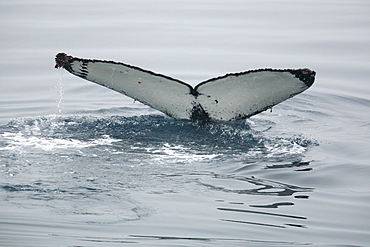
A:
[178, 153]
[278, 149]
[19, 140]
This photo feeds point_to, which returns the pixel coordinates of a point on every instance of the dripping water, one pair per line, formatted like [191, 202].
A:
[59, 87]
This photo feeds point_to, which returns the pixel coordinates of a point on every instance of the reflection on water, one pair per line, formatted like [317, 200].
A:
[265, 213]
[289, 165]
[266, 187]
[274, 205]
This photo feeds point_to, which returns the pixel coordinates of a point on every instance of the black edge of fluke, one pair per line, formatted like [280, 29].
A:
[63, 61]
[305, 75]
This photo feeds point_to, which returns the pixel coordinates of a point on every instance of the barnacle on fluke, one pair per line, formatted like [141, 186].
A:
[61, 60]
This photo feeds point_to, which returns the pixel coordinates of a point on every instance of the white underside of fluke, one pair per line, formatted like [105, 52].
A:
[226, 98]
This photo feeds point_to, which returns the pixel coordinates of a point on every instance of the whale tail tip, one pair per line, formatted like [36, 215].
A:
[62, 60]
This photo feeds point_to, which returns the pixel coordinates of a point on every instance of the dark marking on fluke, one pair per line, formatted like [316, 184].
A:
[62, 60]
[199, 114]
[194, 109]
[305, 75]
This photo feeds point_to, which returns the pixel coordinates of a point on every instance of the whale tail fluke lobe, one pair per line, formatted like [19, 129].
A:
[230, 97]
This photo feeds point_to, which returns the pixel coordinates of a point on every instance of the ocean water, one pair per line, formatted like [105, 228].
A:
[81, 165]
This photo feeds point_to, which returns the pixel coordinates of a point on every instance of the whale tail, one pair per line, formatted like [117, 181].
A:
[230, 97]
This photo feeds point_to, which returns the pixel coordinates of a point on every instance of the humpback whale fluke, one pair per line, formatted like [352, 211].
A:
[230, 97]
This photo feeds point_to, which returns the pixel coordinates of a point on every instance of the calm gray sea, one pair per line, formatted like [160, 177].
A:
[81, 165]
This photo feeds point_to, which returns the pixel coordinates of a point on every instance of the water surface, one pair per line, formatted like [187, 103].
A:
[82, 165]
